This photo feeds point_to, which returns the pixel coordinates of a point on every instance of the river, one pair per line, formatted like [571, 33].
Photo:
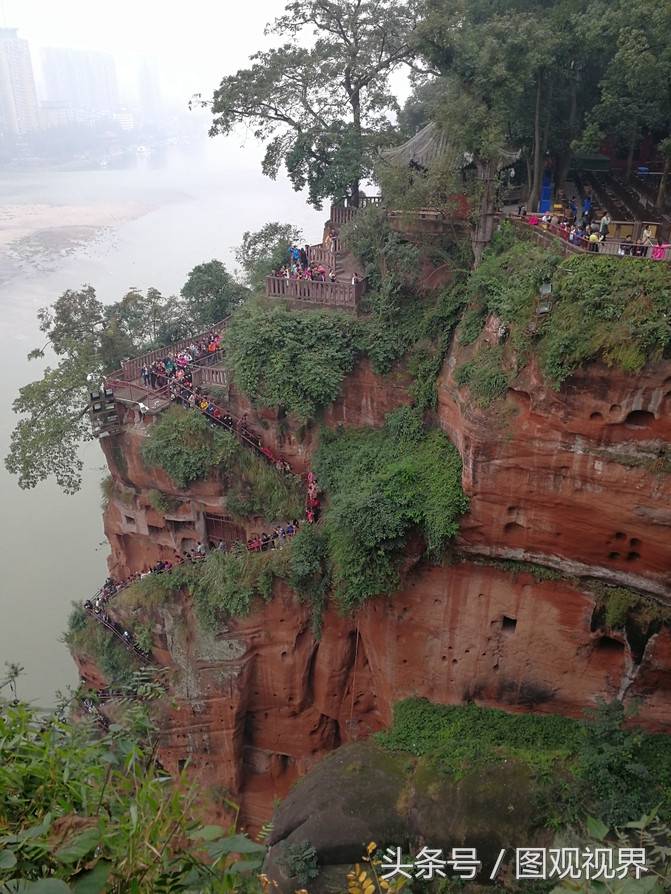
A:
[145, 222]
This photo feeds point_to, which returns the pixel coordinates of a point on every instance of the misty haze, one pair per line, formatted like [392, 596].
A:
[106, 178]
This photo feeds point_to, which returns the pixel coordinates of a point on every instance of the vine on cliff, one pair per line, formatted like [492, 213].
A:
[383, 485]
[290, 360]
[616, 310]
[189, 448]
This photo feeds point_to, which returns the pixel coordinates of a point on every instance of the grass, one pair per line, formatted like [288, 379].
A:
[596, 766]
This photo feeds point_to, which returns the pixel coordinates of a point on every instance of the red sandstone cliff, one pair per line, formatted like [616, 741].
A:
[551, 480]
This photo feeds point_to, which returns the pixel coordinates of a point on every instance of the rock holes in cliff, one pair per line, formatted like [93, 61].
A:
[608, 644]
[633, 556]
[512, 528]
[508, 625]
[634, 542]
[613, 556]
[620, 535]
[615, 408]
[283, 654]
[596, 417]
[639, 419]
[512, 509]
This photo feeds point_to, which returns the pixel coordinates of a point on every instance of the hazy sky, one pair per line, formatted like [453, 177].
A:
[192, 42]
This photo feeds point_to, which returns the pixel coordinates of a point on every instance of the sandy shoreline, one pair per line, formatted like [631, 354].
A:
[21, 221]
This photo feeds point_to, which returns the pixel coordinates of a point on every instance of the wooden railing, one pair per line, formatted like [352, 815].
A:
[615, 247]
[209, 375]
[134, 392]
[130, 369]
[335, 294]
[320, 254]
[424, 222]
[342, 214]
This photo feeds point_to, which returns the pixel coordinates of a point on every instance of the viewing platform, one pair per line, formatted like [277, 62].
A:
[333, 294]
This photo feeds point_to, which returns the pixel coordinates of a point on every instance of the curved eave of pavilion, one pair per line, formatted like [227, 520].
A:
[432, 143]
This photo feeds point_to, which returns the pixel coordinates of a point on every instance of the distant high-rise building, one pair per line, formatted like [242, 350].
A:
[83, 80]
[151, 103]
[18, 98]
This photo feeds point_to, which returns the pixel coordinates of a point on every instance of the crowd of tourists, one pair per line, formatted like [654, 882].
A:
[176, 374]
[97, 608]
[299, 267]
[177, 369]
[582, 229]
[276, 539]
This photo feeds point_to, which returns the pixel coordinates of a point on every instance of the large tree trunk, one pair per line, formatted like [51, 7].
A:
[484, 227]
[661, 192]
[630, 159]
[355, 100]
[534, 195]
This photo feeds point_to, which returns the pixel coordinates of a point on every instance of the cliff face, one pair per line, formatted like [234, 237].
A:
[571, 480]
[574, 478]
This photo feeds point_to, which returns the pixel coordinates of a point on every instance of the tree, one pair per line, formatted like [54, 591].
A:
[210, 293]
[485, 58]
[90, 340]
[46, 440]
[265, 250]
[631, 99]
[322, 110]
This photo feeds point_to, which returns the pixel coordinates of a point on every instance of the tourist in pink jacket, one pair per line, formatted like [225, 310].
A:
[658, 252]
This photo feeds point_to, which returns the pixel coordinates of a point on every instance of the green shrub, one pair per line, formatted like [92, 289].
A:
[471, 325]
[462, 736]
[300, 862]
[162, 502]
[155, 589]
[95, 641]
[255, 488]
[382, 485]
[184, 444]
[296, 361]
[77, 621]
[227, 583]
[605, 308]
[309, 572]
[608, 770]
[82, 811]
[484, 375]
[143, 636]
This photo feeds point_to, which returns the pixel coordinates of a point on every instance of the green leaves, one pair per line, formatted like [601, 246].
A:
[265, 250]
[290, 360]
[187, 446]
[321, 110]
[78, 847]
[7, 860]
[383, 486]
[94, 881]
[71, 821]
[210, 293]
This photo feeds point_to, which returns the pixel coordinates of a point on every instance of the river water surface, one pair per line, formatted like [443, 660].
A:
[145, 222]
